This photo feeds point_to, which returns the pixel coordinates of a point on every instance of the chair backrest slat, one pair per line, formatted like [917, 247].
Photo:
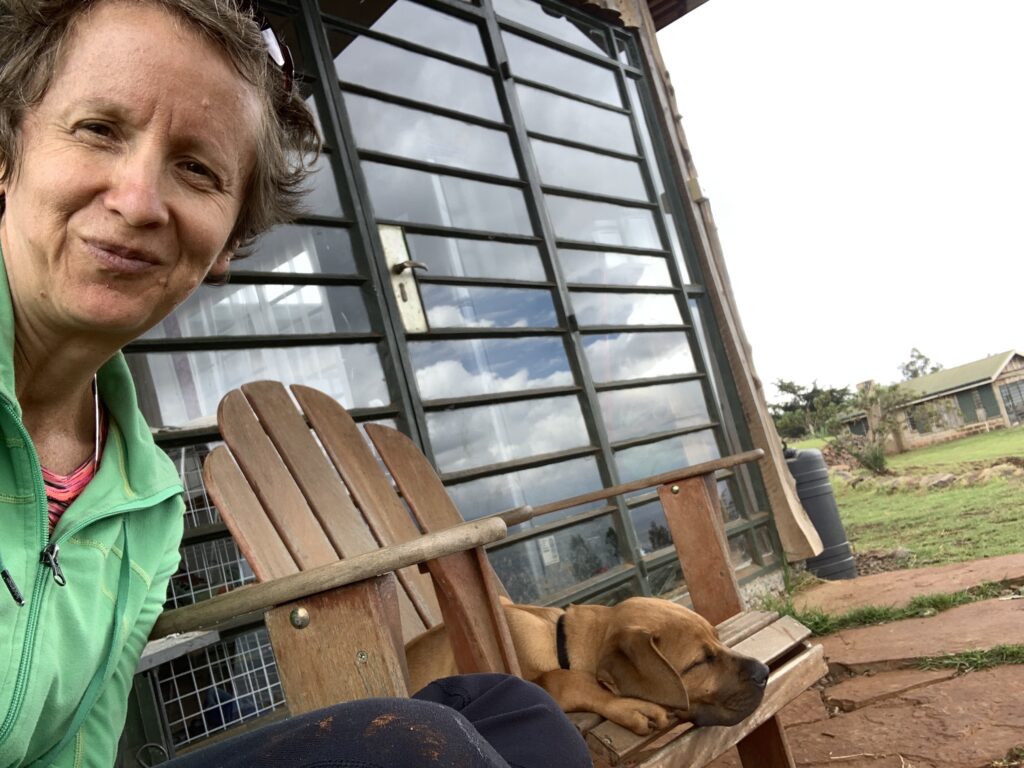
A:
[253, 532]
[310, 468]
[369, 486]
[421, 488]
[272, 483]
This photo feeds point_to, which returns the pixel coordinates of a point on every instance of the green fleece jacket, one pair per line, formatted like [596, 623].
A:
[68, 654]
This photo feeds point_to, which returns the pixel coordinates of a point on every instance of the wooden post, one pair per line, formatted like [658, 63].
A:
[340, 645]
[694, 516]
[766, 747]
[467, 592]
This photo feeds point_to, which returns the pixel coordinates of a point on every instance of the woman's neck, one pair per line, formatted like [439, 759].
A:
[53, 382]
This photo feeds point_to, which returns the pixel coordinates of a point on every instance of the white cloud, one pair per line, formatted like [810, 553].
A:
[449, 378]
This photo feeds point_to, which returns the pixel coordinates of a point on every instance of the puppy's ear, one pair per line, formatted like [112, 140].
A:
[634, 666]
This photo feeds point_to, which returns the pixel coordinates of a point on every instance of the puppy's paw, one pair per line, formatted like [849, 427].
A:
[637, 715]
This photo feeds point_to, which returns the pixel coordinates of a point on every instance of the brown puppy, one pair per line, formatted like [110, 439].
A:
[631, 663]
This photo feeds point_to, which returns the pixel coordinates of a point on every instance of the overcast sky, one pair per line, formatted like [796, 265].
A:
[865, 166]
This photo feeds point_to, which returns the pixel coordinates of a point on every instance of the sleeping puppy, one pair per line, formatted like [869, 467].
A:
[631, 663]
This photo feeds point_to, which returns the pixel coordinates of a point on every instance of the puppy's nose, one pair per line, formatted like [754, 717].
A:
[758, 673]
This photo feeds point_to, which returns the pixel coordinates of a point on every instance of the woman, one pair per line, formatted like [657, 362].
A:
[141, 143]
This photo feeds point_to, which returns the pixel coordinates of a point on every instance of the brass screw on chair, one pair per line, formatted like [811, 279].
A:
[362, 657]
[299, 618]
[675, 489]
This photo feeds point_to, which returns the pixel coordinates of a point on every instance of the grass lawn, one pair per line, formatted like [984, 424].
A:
[813, 442]
[956, 455]
[939, 526]
[946, 525]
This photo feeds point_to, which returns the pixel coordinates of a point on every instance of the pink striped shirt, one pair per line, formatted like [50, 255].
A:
[61, 490]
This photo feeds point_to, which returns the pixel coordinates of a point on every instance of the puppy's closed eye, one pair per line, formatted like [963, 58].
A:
[709, 658]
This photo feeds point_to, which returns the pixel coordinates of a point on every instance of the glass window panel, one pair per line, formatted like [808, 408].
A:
[625, 308]
[763, 540]
[623, 356]
[466, 367]
[542, 18]
[664, 455]
[666, 580]
[730, 511]
[241, 310]
[572, 74]
[643, 411]
[538, 567]
[474, 437]
[321, 198]
[461, 306]
[696, 316]
[177, 389]
[651, 528]
[535, 486]
[302, 249]
[413, 22]
[675, 246]
[645, 135]
[627, 51]
[389, 69]
[606, 223]
[610, 268]
[459, 257]
[616, 594]
[562, 166]
[568, 119]
[384, 127]
[402, 194]
[740, 551]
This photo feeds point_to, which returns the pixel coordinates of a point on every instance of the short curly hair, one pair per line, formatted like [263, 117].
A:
[34, 32]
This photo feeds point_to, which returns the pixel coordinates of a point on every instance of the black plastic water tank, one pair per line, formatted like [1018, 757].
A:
[815, 491]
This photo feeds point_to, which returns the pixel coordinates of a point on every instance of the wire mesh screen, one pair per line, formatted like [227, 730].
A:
[233, 680]
[208, 568]
[199, 510]
[220, 686]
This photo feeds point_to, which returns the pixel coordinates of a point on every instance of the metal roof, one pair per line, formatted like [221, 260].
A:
[960, 377]
[665, 12]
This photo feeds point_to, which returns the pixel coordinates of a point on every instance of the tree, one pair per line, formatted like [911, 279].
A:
[918, 365]
[883, 405]
[810, 410]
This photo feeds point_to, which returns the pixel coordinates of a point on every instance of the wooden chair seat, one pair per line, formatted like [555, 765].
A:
[296, 505]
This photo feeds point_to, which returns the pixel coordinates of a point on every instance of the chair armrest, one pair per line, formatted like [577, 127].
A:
[269, 594]
[520, 514]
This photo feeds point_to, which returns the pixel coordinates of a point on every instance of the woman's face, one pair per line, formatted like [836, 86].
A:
[132, 172]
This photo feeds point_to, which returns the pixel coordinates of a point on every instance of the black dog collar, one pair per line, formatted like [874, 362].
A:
[563, 652]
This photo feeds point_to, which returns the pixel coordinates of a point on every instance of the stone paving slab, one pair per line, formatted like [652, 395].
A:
[897, 588]
[963, 722]
[805, 708]
[980, 625]
[864, 690]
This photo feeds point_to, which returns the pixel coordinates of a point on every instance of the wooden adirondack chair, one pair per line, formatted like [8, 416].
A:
[295, 507]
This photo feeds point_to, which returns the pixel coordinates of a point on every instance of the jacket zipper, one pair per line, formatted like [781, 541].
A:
[38, 592]
[39, 583]
[48, 557]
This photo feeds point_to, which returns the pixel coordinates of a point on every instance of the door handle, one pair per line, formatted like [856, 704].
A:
[409, 264]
